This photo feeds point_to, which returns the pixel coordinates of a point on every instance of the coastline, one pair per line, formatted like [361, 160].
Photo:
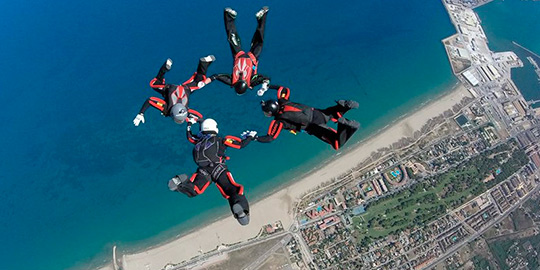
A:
[279, 205]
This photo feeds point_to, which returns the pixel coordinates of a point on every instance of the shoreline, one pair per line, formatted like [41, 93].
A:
[279, 203]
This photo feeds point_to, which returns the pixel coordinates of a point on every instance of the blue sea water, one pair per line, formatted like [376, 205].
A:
[76, 176]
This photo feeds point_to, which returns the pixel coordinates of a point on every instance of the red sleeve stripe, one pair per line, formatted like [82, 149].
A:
[153, 85]
[198, 114]
[191, 140]
[336, 144]
[230, 144]
[234, 138]
[231, 179]
[283, 92]
[157, 100]
[232, 141]
[222, 192]
[275, 129]
[271, 127]
[157, 103]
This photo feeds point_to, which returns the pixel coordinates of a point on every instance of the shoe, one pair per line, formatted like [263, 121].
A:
[177, 181]
[209, 58]
[349, 104]
[168, 64]
[231, 12]
[240, 215]
[350, 123]
[261, 12]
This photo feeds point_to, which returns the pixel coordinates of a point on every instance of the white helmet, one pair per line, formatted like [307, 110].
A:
[209, 125]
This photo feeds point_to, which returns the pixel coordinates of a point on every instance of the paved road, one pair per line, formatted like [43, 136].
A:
[473, 237]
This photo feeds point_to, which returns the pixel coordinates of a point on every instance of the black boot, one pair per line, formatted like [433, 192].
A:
[348, 104]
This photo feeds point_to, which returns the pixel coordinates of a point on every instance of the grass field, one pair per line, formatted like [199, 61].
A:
[429, 200]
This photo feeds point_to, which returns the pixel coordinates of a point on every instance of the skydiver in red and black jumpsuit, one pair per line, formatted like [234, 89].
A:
[209, 154]
[176, 97]
[244, 73]
[298, 117]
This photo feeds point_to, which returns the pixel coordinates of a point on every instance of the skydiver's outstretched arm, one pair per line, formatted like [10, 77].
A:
[150, 102]
[224, 78]
[155, 102]
[237, 143]
[191, 138]
[273, 131]
[282, 92]
[259, 79]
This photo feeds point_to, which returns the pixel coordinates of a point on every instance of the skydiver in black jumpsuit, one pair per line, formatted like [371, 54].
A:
[299, 117]
[244, 73]
[209, 154]
[176, 94]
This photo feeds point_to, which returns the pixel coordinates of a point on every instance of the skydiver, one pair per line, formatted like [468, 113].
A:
[176, 97]
[298, 117]
[244, 73]
[209, 154]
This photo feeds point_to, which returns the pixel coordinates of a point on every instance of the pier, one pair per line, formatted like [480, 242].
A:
[529, 51]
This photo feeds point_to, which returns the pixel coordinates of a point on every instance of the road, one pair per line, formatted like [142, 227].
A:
[473, 237]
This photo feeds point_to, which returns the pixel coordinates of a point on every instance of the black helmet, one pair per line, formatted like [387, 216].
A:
[270, 107]
[240, 87]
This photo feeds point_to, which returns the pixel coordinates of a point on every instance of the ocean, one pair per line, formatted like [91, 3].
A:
[76, 177]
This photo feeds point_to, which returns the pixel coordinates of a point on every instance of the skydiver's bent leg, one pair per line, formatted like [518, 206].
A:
[258, 37]
[200, 75]
[337, 111]
[346, 128]
[240, 208]
[232, 35]
[192, 186]
[164, 69]
[204, 63]
[325, 134]
[234, 193]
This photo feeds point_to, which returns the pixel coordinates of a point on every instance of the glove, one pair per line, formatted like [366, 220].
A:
[248, 133]
[138, 119]
[264, 88]
[192, 120]
[244, 134]
[201, 84]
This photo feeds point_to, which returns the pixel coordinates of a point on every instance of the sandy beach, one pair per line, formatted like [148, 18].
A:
[279, 205]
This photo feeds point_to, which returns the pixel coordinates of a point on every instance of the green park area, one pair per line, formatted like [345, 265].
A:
[428, 200]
